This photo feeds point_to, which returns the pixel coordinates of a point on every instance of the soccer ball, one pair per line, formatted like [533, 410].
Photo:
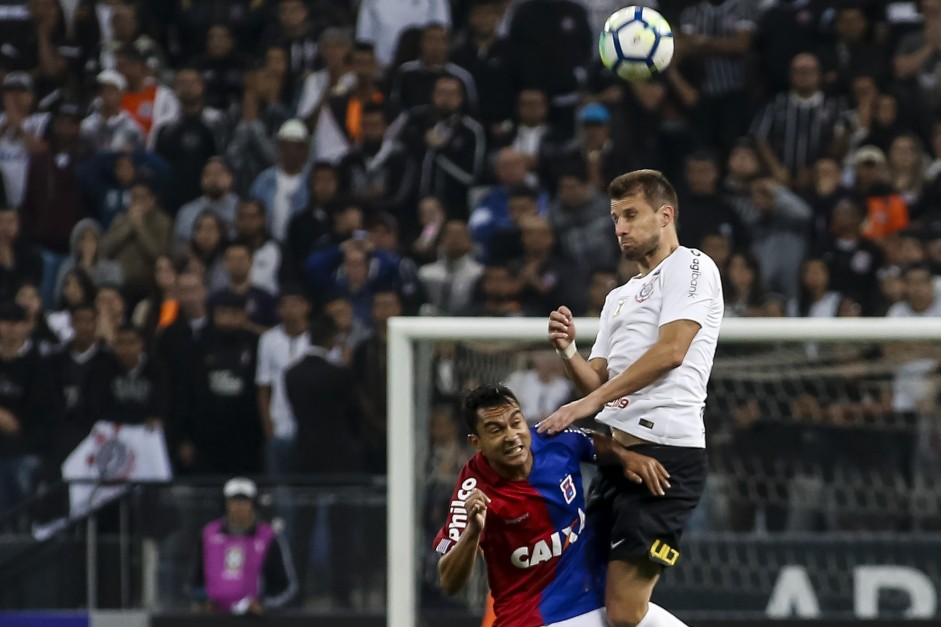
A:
[636, 43]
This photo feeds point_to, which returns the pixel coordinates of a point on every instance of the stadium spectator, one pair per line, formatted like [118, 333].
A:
[742, 287]
[110, 127]
[21, 133]
[334, 48]
[415, 80]
[917, 57]
[282, 188]
[278, 348]
[703, 207]
[581, 217]
[354, 271]
[19, 260]
[222, 67]
[854, 49]
[815, 297]
[530, 133]
[260, 305]
[220, 433]
[907, 162]
[266, 254]
[319, 224]
[886, 211]
[448, 143]
[205, 248]
[593, 148]
[492, 213]
[27, 408]
[350, 331]
[547, 279]
[431, 221]
[40, 334]
[371, 368]
[262, 579]
[77, 289]
[161, 307]
[382, 22]
[217, 196]
[148, 102]
[52, 201]
[108, 176]
[136, 238]
[541, 387]
[449, 282]
[496, 294]
[112, 312]
[296, 32]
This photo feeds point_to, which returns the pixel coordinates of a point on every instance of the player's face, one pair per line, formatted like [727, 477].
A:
[637, 225]
[503, 437]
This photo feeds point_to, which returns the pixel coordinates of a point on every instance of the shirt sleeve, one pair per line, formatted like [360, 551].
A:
[456, 521]
[690, 285]
[264, 374]
[602, 345]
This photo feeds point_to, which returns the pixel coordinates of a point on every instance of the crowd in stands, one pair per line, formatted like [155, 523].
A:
[209, 210]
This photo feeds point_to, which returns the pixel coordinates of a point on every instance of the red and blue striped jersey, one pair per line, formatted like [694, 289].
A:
[542, 564]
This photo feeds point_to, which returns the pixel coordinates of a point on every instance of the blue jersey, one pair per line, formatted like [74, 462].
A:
[542, 564]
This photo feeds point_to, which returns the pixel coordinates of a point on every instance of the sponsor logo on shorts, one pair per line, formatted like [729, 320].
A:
[663, 553]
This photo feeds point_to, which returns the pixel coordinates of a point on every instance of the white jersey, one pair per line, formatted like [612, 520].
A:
[685, 286]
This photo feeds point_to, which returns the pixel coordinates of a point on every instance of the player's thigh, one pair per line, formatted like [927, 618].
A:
[629, 587]
[594, 618]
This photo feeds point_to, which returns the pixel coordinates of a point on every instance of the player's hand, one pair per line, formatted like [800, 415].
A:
[561, 328]
[643, 469]
[476, 505]
[567, 414]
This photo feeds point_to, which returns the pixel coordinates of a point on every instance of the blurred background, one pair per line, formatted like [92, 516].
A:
[210, 209]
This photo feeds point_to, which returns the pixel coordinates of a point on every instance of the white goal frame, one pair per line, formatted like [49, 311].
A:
[402, 519]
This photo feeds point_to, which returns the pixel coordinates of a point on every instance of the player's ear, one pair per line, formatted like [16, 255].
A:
[667, 214]
[474, 441]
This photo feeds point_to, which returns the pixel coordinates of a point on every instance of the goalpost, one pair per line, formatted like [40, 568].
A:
[408, 383]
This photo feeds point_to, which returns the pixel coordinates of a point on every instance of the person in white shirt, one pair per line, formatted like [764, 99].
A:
[278, 349]
[21, 133]
[449, 282]
[381, 22]
[647, 376]
[282, 188]
[541, 387]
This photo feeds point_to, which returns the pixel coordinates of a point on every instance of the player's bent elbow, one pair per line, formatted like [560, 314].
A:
[447, 580]
[675, 357]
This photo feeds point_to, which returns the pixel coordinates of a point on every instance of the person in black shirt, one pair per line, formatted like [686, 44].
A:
[18, 260]
[704, 210]
[27, 406]
[260, 306]
[222, 67]
[221, 432]
[79, 364]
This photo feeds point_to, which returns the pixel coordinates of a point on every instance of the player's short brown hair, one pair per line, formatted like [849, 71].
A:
[657, 190]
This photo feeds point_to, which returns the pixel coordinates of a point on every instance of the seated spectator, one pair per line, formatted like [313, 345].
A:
[222, 67]
[217, 197]
[496, 294]
[84, 244]
[449, 282]
[547, 280]
[112, 312]
[450, 143]
[376, 171]
[581, 216]
[853, 261]
[260, 306]
[541, 387]
[415, 80]
[282, 188]
[220, 432]
[351, 271]
[111, 127]
[266, 253]
[132, 389]
[262, 578]
[815, 298]
[28, 408]
[19, 261]
[350, 331]
[162, 307]
[779, 235]
[206, 247]
[492, 213]
[431, 221]
[136, 238]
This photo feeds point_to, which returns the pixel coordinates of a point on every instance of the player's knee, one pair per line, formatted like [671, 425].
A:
[626, 614]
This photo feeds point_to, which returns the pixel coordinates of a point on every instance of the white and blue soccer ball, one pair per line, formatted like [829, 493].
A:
[636, 43]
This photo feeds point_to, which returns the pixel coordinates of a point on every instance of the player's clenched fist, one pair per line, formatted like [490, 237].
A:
[476, 505]
[561, 328]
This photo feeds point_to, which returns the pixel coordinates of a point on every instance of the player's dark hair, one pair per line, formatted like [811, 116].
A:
[657, 190]
[484, 397]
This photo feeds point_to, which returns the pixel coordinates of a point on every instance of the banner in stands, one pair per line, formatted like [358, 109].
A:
[807, 576]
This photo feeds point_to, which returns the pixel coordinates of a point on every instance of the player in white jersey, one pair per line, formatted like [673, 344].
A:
[647, 376]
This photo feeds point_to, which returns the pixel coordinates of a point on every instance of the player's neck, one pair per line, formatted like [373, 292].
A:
[514, 473]
[656, 257]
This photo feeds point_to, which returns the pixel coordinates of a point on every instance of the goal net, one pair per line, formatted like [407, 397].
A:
[824, 441]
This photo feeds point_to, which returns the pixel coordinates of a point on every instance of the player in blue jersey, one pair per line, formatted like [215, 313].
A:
[520, 502]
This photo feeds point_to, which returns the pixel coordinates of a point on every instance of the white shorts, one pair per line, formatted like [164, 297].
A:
[595, 618]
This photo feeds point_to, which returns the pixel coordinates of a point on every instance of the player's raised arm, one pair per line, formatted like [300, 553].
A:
[456, 565]
[588, 376]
